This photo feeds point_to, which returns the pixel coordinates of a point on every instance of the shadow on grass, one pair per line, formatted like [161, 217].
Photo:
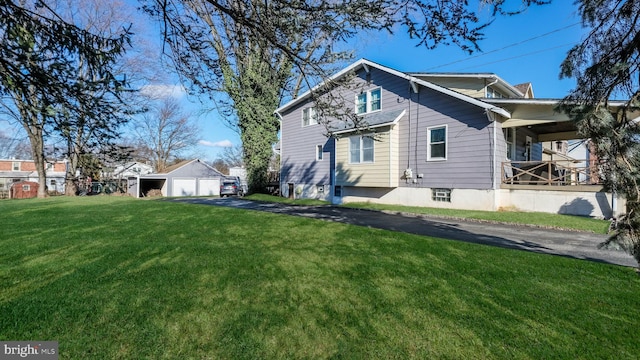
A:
[167, 280]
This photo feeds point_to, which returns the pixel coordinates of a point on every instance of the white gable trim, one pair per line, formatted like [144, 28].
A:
[368, 64]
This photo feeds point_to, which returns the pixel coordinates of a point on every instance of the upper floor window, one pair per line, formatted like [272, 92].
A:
[360, 149]
[16, 166]
[309, 116]
[493, 94]
[368, 101]
[437, 143]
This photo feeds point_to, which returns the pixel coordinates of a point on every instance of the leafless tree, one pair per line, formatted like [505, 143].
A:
[167, 132]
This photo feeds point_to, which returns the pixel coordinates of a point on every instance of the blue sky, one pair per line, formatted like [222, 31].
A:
[516, 48]
[536, 61]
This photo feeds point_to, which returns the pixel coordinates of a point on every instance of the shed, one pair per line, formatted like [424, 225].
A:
[187, 178]
[24, 190]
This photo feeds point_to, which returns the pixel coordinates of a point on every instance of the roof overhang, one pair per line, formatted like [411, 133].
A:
[366, 64]
[392, 121]
[542, 117]
[495, 80]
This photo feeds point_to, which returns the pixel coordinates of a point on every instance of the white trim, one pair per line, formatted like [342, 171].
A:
[368, 101]
[313, 116]
[361, 150]
[446, 142]
[363, 62]
[510, 146]
[320, 153]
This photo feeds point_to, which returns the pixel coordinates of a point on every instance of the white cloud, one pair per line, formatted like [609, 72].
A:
[223, 143]
[162, 91]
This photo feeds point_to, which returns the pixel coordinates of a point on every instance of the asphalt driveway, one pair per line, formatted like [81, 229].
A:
[572, 244]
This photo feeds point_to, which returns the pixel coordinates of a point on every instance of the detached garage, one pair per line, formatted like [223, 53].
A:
[188, 178]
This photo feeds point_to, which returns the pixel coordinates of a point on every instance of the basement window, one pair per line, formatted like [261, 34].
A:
[441, 195]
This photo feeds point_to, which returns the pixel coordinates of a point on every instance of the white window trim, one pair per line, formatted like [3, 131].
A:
[313, 117]
[368, 102]
[361, 161]
[510, 145]
[320, 153]
[446, 142]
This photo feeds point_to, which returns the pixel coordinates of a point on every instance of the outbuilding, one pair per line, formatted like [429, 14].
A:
[188, 178]
[24, 190]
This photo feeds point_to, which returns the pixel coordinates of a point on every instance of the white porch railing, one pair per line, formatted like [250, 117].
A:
[555, 172]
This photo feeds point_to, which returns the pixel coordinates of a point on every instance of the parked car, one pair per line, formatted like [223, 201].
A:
[231, 188]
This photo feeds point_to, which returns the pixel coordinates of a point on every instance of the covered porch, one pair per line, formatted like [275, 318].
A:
[549, 167]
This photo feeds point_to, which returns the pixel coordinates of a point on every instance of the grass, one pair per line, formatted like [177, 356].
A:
[569, 222]
[123, 278]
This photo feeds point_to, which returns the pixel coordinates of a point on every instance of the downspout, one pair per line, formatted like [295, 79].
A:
[489, 84]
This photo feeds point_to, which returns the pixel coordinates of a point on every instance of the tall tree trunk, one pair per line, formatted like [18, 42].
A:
[70, 178]
[37, 152]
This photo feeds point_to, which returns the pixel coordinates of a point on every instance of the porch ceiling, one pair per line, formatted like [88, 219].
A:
[541, 119]
[540, 116]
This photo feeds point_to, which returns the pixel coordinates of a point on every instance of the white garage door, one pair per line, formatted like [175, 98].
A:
[184, 187]
[208, 187]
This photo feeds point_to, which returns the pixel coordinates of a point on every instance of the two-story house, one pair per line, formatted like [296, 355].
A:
[465, 141]
[13, 170]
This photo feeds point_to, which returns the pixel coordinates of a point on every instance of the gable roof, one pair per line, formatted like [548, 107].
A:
[184, 163]
[496, 81]
[525, 88]
[364, 63]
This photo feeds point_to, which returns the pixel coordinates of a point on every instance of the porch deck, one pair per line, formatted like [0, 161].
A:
[557, 173]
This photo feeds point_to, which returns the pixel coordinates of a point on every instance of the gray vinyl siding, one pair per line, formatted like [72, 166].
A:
[298, 150]
[469, 163]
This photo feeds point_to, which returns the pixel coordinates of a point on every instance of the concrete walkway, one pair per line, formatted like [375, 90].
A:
[572, 244]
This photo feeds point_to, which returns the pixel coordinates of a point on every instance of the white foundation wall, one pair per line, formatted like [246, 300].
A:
[584, 203]
[468, 199]
[308, 191]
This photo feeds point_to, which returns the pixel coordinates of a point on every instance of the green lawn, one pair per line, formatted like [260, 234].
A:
[568, 222]
[112, 277]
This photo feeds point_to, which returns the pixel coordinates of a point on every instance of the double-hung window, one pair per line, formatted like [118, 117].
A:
[309, 116]
[368, 101]
[437, 143]
[360, 149]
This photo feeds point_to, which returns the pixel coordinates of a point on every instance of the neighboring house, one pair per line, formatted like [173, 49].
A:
[188, 178]
[12, 170]
[465, 141]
